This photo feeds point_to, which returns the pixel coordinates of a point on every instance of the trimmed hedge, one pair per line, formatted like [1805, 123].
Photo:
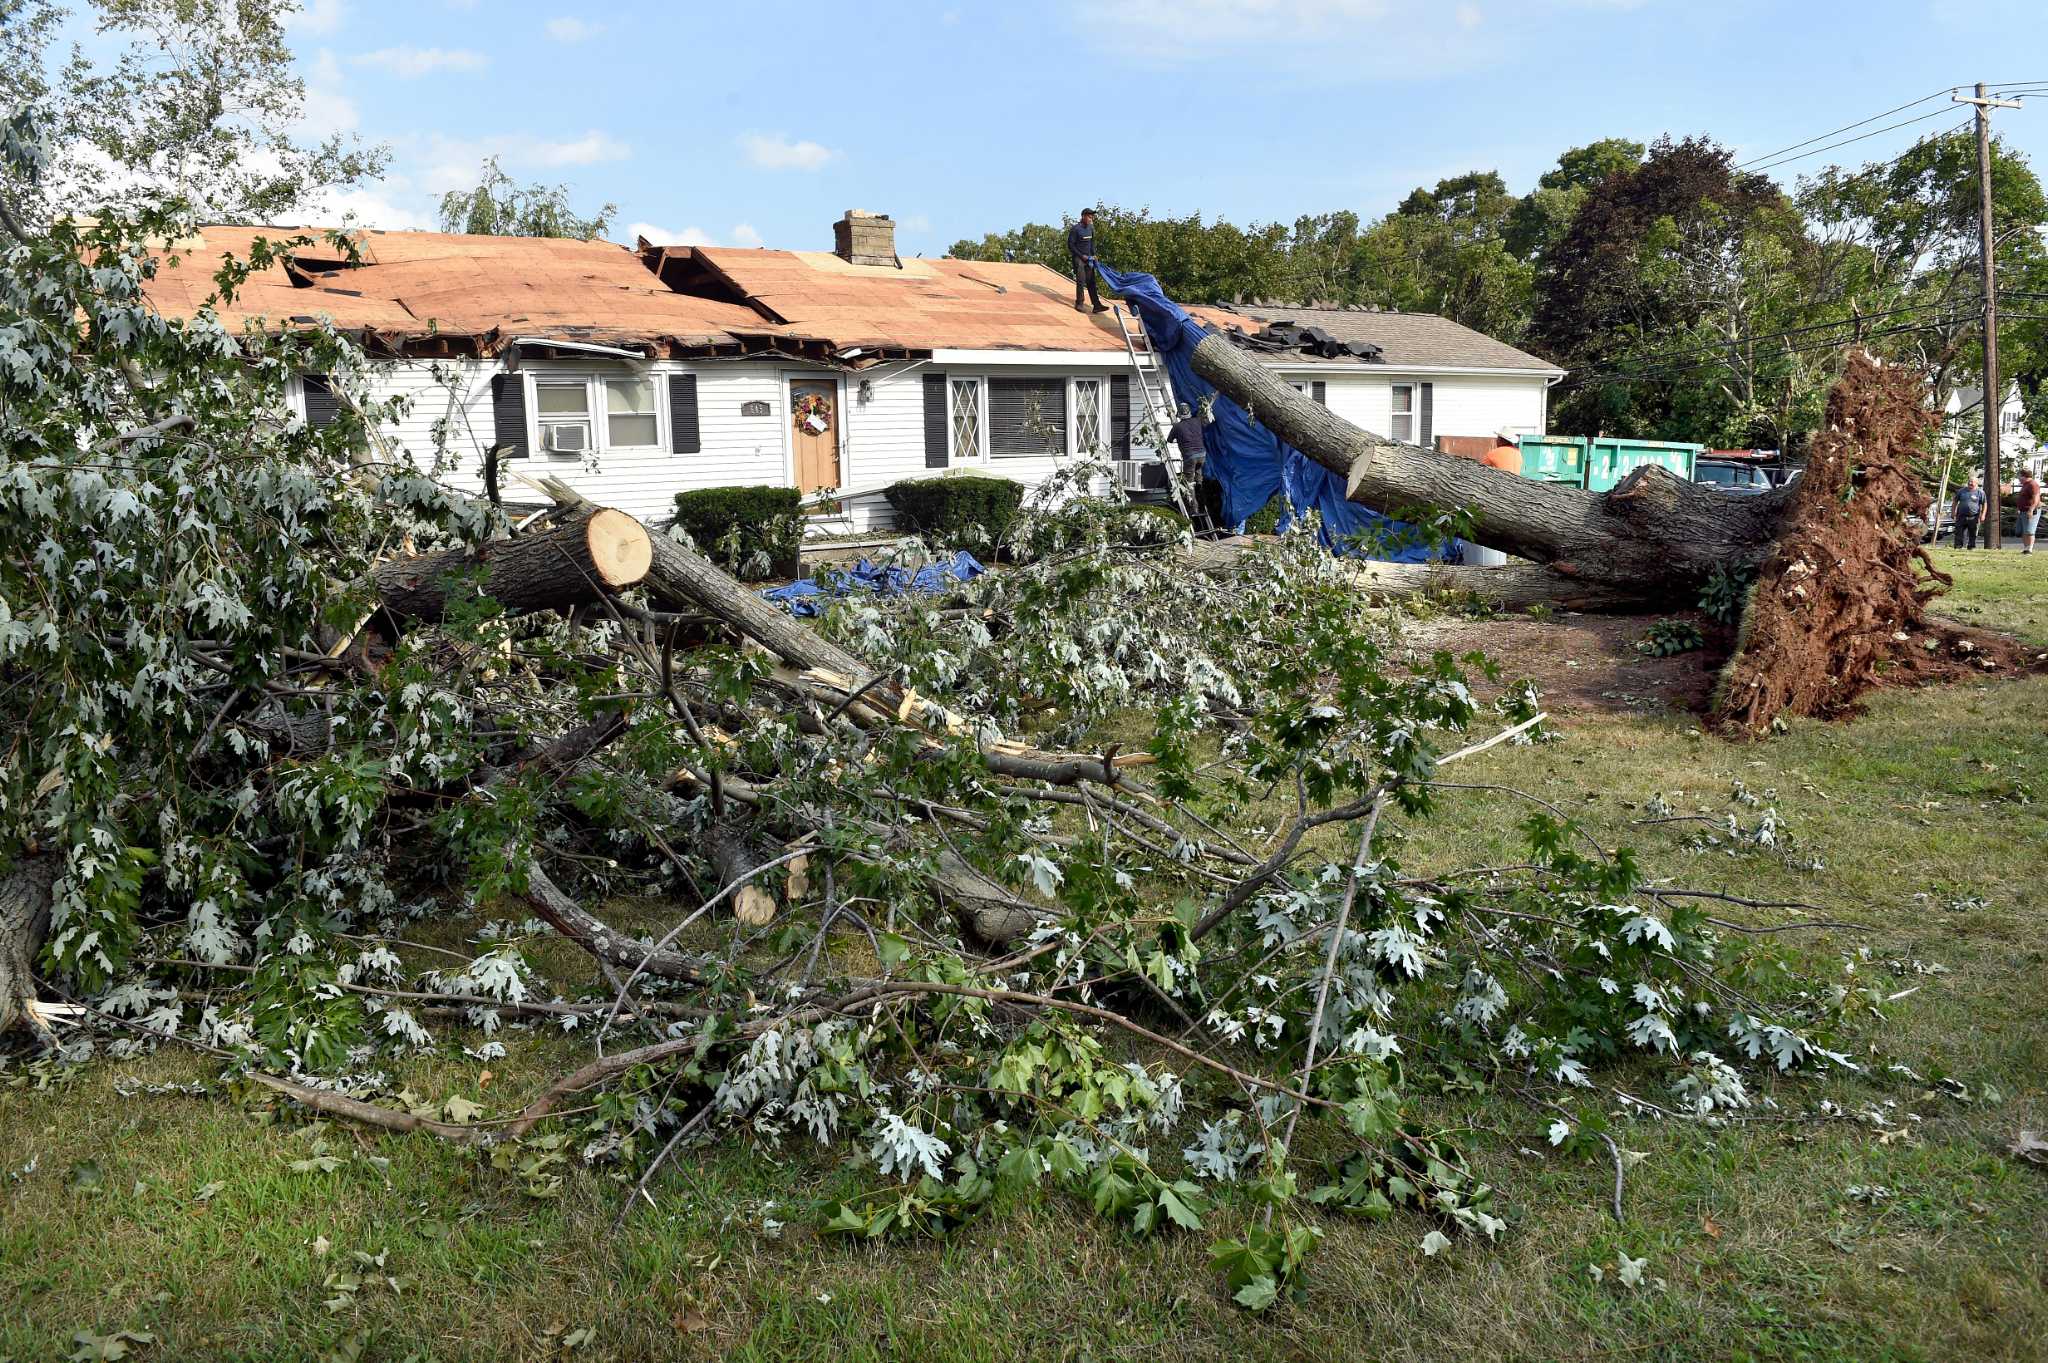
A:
[754, 533]
[1146, 523]
[957, 513]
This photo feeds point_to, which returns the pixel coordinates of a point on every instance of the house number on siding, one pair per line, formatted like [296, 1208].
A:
[755, 408]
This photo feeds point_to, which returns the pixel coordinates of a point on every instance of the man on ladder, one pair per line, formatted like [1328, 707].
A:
[1081, 250]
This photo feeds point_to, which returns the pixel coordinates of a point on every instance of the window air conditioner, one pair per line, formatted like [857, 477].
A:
[568, 437]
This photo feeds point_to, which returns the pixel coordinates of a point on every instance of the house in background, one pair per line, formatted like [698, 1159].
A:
[1431, 377]
[2016, 443]
[637, 374]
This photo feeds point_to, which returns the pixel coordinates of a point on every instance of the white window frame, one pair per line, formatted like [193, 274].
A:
[1105, 424]
[954, 454]
[1413, 414]
[597, 414]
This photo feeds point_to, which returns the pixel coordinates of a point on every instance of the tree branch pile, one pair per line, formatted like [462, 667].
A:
[1085, 880]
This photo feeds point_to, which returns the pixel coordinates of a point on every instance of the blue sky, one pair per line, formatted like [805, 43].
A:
[757, 124]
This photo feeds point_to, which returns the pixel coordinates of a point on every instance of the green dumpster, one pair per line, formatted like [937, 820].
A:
[1554, 458]
[1612, 458]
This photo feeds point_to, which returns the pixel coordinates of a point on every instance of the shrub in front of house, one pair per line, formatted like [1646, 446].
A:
[957, 513]
[1146, 523]
[753, 533]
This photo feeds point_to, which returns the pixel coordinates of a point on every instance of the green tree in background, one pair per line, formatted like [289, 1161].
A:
[501, 207]
[190, 111]
[1688, 299]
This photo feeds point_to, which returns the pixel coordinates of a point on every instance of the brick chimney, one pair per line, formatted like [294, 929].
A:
[865, 239]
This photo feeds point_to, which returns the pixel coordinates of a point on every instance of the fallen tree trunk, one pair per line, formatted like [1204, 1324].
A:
[1511, 587]
[1652, 540]
[593, 552]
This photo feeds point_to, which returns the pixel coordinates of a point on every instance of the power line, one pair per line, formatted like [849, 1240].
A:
[1860, 137]
[1676, 356]
[1683, 372]
[1850, 127]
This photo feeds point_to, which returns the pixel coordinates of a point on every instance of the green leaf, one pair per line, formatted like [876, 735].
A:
[1179, 1202]
[1258, 1294]
[893, 950]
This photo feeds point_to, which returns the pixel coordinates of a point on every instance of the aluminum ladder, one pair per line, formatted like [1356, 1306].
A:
[1157, 392]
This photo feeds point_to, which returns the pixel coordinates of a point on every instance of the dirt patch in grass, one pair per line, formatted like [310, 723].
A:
[1588, 664]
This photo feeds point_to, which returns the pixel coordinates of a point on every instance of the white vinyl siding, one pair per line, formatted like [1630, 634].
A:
[1461, 404]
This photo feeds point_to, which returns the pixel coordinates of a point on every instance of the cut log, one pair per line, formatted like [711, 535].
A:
[1654, 538]
[593, 552]
[733, 855]
[24, 921]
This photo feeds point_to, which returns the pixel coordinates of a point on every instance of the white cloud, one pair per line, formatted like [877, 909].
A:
[1329, 41]
[317, 16]
[571, 30]
[743, 234]
[446, 163]
[916, 222]
[778, 152]
[409, 63]
[372, 206]
[662, 236]
[586, 150]
[325, 110]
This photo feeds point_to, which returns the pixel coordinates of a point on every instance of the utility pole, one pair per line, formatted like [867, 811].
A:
[1987, 264]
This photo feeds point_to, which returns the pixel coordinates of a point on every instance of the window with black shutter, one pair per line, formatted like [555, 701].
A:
[684, 437]
[1027, 417]
[1428, 419]
[508, 415]
[1120, 415]
[322, 405]
[1320, 391]
[935, 421]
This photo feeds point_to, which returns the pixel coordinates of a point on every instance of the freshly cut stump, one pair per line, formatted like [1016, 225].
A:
[591, 554]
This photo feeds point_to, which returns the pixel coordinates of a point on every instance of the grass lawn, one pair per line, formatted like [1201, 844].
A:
[183, 1216]
[2003, 591]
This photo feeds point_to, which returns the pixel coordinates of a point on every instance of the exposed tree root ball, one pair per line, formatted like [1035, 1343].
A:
[1839, 605]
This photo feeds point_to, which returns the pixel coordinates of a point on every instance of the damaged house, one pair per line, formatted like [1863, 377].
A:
[635, 374]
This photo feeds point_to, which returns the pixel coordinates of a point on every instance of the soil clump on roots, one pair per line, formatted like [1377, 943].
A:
[1840, 603]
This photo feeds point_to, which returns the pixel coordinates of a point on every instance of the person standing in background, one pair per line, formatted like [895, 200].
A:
[2026, 505]
[1081, 251]
[1969, 509]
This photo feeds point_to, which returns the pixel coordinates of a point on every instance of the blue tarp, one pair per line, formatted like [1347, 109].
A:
[807, 595]
[1248, 460]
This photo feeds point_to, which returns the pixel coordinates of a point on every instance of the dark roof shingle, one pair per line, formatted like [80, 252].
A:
[1416, 340]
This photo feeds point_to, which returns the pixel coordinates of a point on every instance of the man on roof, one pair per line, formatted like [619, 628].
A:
[1081, 250]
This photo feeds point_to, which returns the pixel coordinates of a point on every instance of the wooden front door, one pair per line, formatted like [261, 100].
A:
[814, 412]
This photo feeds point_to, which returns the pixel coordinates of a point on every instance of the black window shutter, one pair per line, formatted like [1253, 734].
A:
[1120, 415]
[508, 414]
[1320, 391]
[1426, 423]
[935, 421]
[683, 435]
[322, 406]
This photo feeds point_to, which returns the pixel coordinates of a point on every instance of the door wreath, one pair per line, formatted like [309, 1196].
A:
[813, 413]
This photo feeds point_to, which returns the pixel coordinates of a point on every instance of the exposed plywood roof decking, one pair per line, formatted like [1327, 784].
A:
[413, 287]
[920, 305]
